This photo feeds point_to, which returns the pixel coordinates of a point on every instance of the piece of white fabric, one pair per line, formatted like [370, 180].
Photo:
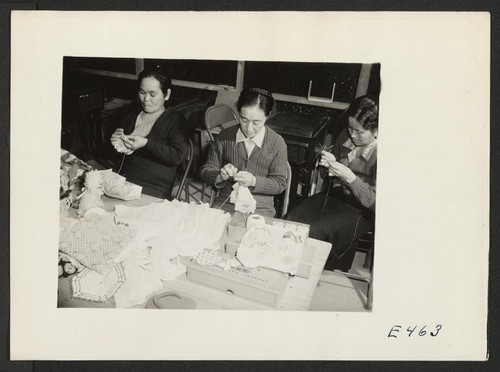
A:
[118, 187]
[142, 279]
[91, 197]
[183, 228]
[92, 286]
[242, 199]
[274, 247]
[156, 235]
[166, 230]
[120, 146]
[95, 240]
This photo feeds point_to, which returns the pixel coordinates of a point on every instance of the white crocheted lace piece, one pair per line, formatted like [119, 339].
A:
[95, 241]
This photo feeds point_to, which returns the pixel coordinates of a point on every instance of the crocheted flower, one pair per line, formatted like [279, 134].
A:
[69, 268]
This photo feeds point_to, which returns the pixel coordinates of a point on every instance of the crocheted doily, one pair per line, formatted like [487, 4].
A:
[95, 241]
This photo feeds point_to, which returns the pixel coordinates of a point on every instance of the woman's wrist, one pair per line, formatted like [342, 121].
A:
[350, 178]
[253, 182]
[219, 181]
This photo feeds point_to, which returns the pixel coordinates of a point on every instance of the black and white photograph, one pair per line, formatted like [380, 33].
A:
[249, 186]
[205, 184]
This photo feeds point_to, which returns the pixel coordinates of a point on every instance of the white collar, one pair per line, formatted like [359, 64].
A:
[367, 151]
[257, 139]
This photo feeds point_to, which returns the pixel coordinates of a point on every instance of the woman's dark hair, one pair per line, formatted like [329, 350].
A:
[160, 75]
[256, 96]
[364, 110]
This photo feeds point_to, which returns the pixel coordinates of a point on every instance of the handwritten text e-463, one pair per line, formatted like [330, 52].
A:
[423, 331]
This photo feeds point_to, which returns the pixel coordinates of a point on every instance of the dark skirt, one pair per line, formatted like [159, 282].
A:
[341, 221]
[156, 180]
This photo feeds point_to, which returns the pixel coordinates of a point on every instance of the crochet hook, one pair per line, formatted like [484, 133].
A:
[83, 193]
[224, 202]
[322, 148]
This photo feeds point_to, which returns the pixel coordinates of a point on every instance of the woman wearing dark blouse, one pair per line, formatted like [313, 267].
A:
[345, 211]
[154, 138]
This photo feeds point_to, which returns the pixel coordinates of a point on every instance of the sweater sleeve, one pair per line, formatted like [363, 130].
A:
[275, 181]
[336, 151]
[170, 149]
[210, 170]
[364, 192]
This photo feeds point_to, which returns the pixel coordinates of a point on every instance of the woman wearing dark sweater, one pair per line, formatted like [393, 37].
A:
[345, 210]
[153, 138]
[251, 154]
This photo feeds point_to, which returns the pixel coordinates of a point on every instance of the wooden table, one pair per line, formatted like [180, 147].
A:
[298, 294]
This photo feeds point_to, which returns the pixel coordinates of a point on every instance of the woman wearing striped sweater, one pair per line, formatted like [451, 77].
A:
[345, 211]
[251, 154]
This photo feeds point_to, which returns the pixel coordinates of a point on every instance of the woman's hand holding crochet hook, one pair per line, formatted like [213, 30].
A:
[335, 168]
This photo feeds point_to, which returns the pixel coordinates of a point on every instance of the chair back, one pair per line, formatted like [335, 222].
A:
[286, 198]
[188, 165]
[219, 115]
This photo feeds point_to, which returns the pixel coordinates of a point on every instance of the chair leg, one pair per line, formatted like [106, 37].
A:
[348, 275]
[368, 258]
[186, 192]
[212, 196]
[369, 296]
[368, 281]
[203, 192]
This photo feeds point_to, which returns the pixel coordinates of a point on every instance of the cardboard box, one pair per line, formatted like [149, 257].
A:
[259, 284]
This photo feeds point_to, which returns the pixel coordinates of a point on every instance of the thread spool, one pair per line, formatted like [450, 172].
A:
[254, 220]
